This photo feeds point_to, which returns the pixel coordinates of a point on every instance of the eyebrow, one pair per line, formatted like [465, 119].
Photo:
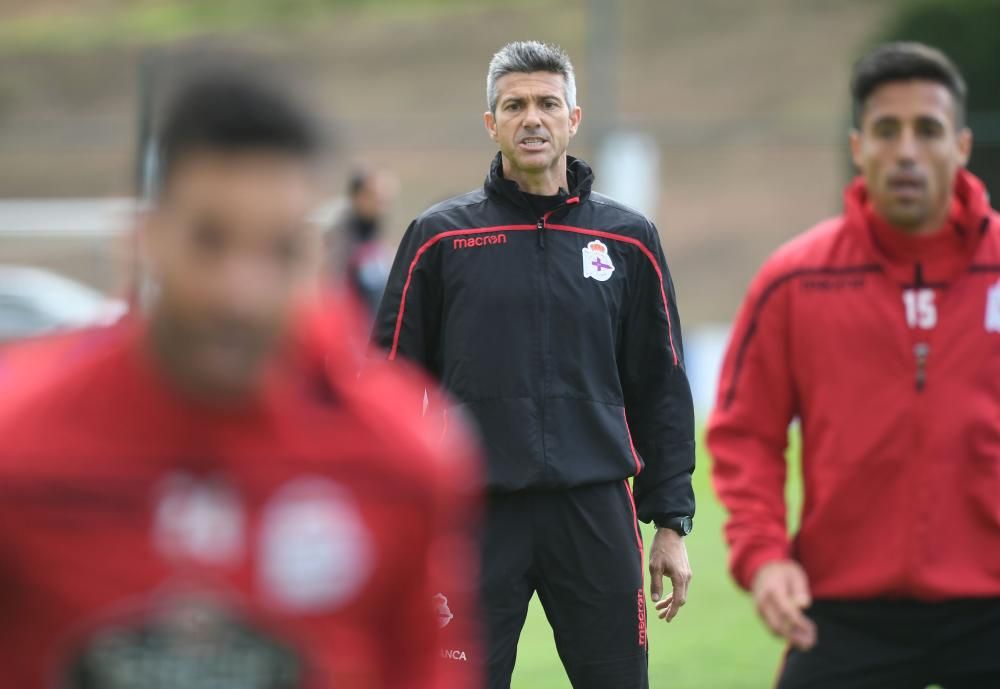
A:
[544, 96]
[886, 119]
[895, 119]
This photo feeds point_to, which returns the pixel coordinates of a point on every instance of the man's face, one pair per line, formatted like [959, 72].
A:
[233, 253]
[909, 149]
[532, 123]
[373, 199]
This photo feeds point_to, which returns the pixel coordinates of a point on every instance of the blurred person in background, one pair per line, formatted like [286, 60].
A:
[880, 331]
[207, 495]
[354, 246]
[547, 310]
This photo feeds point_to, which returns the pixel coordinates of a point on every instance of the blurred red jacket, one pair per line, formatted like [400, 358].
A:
[887, 349]
[318, 536]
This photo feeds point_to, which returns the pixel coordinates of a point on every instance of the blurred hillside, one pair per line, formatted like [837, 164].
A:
[746, 101]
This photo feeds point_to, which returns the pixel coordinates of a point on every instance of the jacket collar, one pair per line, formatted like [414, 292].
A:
[579, 177]
[940, 256]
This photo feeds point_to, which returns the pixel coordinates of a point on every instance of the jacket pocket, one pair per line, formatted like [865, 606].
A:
[587, 441]
[509, 430]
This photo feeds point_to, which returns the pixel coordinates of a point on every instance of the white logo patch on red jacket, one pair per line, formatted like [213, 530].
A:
[993, 309]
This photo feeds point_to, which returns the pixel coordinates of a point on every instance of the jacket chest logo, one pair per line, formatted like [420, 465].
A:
[478, 241]
[597, 261]
[992, 323]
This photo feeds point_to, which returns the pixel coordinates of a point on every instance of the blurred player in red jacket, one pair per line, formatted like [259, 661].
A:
[210, 496]
[880, 331]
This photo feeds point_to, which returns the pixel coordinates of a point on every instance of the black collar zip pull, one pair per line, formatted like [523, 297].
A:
[545, 218]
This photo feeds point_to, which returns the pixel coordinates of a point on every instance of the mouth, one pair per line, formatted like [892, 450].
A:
[907, 186]
[532, 143]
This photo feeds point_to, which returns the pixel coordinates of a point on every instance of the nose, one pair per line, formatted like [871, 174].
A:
[244, 288]
[532, 118]
[907, 149]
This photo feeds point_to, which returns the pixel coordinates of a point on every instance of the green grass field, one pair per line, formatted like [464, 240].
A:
[716, 642]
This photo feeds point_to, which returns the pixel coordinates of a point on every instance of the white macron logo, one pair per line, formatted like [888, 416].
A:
[597, 261]
[993, 309]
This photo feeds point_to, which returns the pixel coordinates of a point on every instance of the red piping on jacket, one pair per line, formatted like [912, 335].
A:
[512, 228]
[420, 252]
[648, 254]
[635, 455]
[635, 522]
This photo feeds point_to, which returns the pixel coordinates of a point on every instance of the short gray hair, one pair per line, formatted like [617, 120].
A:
[526, 57]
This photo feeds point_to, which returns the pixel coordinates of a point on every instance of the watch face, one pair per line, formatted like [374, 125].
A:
[687, 524]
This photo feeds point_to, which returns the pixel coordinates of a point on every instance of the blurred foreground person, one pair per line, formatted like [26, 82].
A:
[208, 496]
[355, 247]
[880, 331]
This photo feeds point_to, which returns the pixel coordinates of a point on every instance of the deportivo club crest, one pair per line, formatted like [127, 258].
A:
[993, 309]
[597, 261]
[443, 611]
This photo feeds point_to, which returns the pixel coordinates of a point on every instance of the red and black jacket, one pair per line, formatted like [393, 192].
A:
[559, 335]
[887, 349]
[103, 473]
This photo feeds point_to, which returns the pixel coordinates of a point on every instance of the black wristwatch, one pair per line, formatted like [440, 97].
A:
[682, 525]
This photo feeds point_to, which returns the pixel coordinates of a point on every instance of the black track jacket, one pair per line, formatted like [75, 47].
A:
[558, 335]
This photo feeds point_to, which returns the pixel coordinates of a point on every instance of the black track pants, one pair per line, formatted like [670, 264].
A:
[899, 645]
[580, 550]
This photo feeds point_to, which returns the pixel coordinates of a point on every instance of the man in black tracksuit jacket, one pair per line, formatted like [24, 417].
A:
[548, 312]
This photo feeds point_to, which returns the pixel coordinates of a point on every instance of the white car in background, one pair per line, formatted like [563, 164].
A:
[36, 302]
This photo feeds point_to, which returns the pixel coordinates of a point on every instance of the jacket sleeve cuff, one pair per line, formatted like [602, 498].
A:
[663, 487]
[746, 567]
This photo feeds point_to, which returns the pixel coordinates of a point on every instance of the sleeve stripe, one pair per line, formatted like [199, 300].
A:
[762, 301]
[635, 455]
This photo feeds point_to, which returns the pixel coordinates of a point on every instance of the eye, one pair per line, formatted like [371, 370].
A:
[287, 250]
[929, 129]
[885, 129]
[551, 104]
[209, 239]
[512, 106]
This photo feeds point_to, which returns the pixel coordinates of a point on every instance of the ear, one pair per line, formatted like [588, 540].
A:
[855, 141]
[574, 120]
[491, 124]
[144, 259]
[965, 145]
[147, 239]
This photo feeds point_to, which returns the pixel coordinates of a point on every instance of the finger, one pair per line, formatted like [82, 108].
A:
[771, 614]
[680, 584]
[790, 614]
[663, 607]
[655, 583]
[786, 620]
[803, 634]
[798, 591]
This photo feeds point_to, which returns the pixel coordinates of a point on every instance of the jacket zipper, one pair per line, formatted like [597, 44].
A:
[546, 288]
[546, 292]
[921, 350]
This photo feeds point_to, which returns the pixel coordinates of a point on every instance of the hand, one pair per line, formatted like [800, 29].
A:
[668, 557]
[781, 592]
